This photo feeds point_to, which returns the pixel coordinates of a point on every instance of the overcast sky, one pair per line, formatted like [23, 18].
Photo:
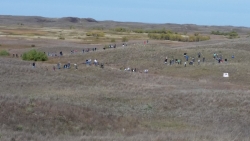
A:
[201, 12]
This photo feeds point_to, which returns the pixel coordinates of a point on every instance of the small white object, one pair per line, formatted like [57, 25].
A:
[225, 75]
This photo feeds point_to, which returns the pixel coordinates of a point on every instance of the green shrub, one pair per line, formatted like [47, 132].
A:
[105, 47]
[230, 35]
[34, 55]
[124, 39]
[95, 34]
[4, 53]
[112, 40]
[178, 37]
[138, 31]
[61, 38]
[120, 29]
[88, 34]
[19, 128]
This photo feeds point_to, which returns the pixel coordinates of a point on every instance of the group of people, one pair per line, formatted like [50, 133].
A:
[132, 70]
[54, 54]
[16, 55]
[88, 49]
[96, 63]
[135, 70]
[114, 46]
[173, 61]
[68, 65]
[65, 66]
[219, 58]
[192, 61]
[89, 62]
[124, 44]
[110, 46]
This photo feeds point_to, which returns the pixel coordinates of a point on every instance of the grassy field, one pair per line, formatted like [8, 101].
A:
[92, 103]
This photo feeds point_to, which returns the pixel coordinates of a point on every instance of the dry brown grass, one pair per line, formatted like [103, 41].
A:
[168, 103]
[24, 32]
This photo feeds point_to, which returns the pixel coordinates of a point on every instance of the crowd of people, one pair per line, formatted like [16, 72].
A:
[186, 60]
[192, 61]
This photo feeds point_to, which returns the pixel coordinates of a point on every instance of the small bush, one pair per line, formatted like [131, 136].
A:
[33, 45]
[124, 39]
[112, 40]
[229, 35]
[120, 29]
[34, 55]
[19, 128]
[95, 34]
[88, 34]
[61, 38]
[105, 47]
[4, 53]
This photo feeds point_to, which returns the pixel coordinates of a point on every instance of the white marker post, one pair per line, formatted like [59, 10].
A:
[225, 75]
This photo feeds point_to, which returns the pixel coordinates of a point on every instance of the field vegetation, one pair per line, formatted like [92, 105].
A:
[4, 53]
[170, 102]
[34, 55]
[230, 35]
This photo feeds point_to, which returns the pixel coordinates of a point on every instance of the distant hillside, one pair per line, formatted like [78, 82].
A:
[66, 22]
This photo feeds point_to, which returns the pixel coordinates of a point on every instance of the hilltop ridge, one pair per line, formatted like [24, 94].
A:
[65, 22]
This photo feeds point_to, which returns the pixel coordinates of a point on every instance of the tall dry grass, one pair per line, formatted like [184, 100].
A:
[168, 103]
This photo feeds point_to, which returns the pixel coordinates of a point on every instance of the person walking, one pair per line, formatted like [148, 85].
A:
[187, 57]
[214, 55]
[95, 62]
[68, 65]
[166, 60]
[193, 59]
[33, 64]
[199, 55]
[58, 66]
